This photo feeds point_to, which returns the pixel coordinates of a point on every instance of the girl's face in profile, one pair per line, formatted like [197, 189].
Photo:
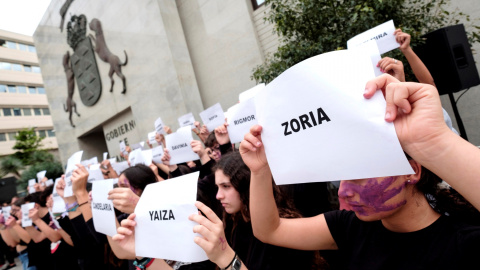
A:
[227, 194]
[373, 198]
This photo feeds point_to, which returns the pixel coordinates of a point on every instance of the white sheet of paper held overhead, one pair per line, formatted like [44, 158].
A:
[151, 137]
[178, 145]
[6, 212]
[370, 48]
[329, 131]
[103, 212]
[159, 126]
[157, 153]
[58, 203]
[95, 174]
[162, 217]
[242, 116]
[382, 34]
[26, 221]
[71, 165]
[187, 120]
[41, 175]
[213, 117]
[119, 167]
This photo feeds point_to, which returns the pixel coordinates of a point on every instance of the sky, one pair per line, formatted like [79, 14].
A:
[22, 16]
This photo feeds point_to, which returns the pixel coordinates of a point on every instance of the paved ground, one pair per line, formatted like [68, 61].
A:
[18, 267]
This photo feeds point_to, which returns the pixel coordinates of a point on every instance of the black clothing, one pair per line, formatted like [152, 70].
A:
[445, 244]
[258, 255]
[39, 254]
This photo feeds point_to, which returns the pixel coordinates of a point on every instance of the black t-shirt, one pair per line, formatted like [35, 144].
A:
[39, 254]
[257, 255]
[445, 244]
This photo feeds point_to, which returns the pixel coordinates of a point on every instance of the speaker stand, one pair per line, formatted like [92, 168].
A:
[463, 134]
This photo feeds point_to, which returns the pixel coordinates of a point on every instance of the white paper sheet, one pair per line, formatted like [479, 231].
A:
[112, 160]
[250, 93]
[26, 221]
[355, 142]
[58, 202]
[213, 117]
[162, 217]
[49, 182]
[178, 145]
[123, 148]
[41, 175]
[159, 126]
[71, 165]
[242, 118]
[32, 182]
[6, 212]
[95, 175]
[137, 145]
[370, 48]
[119, 167]
[54, 220]
[382, 34]
[136, 157]
[151, 137]
[157, 153]
[147, 156]
[103, 212]
[105, 155]
[187, 120]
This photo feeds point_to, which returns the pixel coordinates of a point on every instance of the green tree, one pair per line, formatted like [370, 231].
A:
[27, 142]
[11, 164]
[54, 170]
[310, 27]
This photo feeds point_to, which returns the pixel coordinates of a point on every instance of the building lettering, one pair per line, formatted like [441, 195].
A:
[120, 130]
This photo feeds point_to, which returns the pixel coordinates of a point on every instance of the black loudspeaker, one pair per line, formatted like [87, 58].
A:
[447, 55]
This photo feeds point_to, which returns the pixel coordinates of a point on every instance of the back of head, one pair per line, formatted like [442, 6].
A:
[211, 140]
[139, 176]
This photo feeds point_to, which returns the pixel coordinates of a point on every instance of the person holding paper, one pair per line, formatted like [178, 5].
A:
[391, 215]
[20, 236]
[131, 184]
[233, 237]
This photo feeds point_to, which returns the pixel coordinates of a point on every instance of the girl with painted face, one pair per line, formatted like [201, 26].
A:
[395, 222]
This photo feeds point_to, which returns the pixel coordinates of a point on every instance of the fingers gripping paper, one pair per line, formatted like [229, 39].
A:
[330, 131]
[102, 208]
[163, 229]
[213, 117]
[71, 165]
[178, 144]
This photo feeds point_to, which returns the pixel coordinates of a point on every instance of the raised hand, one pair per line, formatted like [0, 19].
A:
[252, 150]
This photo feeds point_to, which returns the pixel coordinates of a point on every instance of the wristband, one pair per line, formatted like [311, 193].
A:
[143, 263]
[235, 256]
[70, 206]
[82, 204]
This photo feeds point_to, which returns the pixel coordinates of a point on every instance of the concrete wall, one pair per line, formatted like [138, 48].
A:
[224, 47]
[160, 77]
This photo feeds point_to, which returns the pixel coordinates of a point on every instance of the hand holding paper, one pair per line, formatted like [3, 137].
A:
[123, 199]
[221, 134]
[125, 237]
[252, 151]
[79, 180]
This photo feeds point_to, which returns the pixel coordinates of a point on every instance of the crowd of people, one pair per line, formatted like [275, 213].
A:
[425, 220]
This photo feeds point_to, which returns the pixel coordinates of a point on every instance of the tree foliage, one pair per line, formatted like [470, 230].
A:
[27, 143]
[310, 27]
[54, 170]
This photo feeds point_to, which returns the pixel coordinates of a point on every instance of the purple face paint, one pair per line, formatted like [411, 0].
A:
[372, 196]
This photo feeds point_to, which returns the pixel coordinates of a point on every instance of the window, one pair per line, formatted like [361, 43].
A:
[3, 138]
[31, 49]
[32, 90]
[17, 67]
[11, 45]
[41, 90]
[42, 134]
[257, 3]
[17, 112]
[46, 111]
[3, 88]
[37, 111]
[11, 136]
[7, 112]
[51, 133]
[12, 89]
[27, 111]
[27, 68]
[5, 65]
[22, 89]
[36, 69]
[22, 47]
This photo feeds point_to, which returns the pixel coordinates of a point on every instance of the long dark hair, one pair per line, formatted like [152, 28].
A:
[232, 165]
[445, 199]
[139, 176]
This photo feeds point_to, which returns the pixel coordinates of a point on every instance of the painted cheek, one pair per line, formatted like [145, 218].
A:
[374, 195]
